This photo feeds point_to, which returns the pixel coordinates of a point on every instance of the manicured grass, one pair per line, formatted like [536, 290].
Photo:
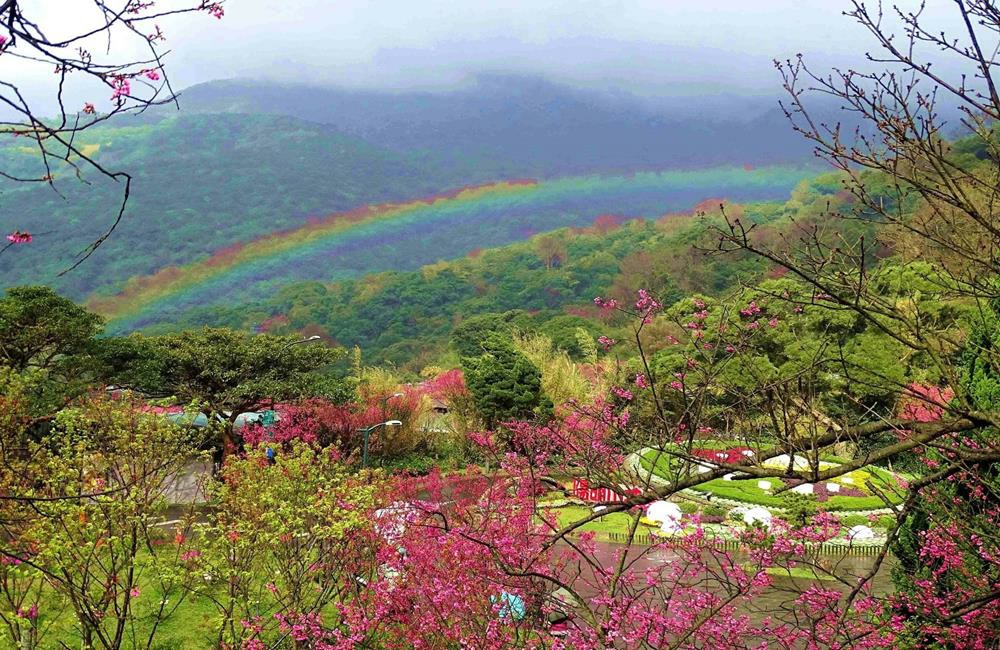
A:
[804, 573]
[746, 491]
[616, 522]
[660, 463]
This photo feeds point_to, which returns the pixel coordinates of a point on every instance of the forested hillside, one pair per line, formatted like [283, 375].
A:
[408, 318]
[201, 183]
[245, 160]
[405, 236]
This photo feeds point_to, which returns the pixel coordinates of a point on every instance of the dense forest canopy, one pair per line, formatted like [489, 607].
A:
[406, 318]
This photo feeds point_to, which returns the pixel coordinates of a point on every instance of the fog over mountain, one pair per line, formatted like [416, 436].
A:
[356, 103]
[504, 125]
[710, 58]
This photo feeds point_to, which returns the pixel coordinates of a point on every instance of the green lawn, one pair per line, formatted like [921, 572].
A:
[616, 522]
[801, 572]
[192, 626]
[746, 491]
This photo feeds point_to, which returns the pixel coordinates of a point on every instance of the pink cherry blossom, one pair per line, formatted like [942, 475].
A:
[752, 309]
[121, 88]
[214, 9]
[622, 393]
[607, 304]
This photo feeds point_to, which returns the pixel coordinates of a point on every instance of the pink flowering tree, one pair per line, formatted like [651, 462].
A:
[320, 421]
[926, 316]
[474, 561]
[715, 377]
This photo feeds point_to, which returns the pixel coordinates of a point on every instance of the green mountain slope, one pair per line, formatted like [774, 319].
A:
[407, 318]
[202, 182]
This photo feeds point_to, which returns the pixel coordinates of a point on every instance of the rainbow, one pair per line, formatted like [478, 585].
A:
[404, 236]
[142, 291]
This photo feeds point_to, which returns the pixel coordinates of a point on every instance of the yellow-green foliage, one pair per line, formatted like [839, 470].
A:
[375, 381]
[99, 552]
[276, 536]
[561, 377]
[90, 149]
[378, 388]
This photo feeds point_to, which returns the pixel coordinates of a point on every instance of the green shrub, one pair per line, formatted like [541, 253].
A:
[688, 507]
[714, 511]
[800, 508]
[854, 520]
[887, 522]
[840, 503]
[746, 491]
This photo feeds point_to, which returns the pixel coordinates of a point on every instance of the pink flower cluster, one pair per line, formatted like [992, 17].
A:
[646, 305]
[607, 304]
[751, 310]
[121, 88]
[622, 393]
[925, 403]
[645, 302]
[214, 9]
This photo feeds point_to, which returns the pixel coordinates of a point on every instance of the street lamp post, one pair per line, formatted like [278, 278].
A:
[368, 431]
[314, 337]
[385, 401]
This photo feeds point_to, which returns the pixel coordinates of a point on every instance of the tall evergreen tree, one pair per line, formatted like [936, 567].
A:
[505, 385]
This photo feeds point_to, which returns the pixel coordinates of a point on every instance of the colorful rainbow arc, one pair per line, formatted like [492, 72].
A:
[407, 235]
[141, 292]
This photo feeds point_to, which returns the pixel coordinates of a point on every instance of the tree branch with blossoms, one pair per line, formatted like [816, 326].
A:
[134, 85]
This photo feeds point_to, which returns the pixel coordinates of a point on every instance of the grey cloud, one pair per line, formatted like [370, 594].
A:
[649, 48]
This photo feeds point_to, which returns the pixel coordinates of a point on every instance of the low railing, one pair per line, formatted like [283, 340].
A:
[723, 544]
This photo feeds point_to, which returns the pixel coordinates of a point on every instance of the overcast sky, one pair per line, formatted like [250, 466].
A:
[646, 47]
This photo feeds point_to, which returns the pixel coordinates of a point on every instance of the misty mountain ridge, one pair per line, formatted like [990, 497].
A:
[503, 125]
